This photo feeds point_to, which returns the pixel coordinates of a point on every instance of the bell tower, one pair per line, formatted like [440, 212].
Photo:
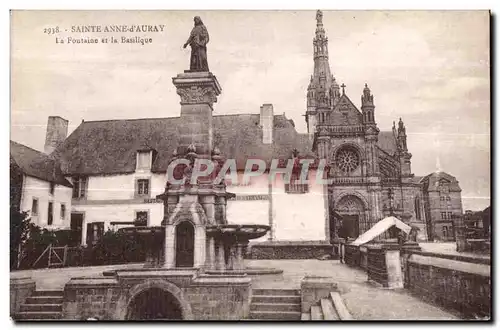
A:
[323, 91]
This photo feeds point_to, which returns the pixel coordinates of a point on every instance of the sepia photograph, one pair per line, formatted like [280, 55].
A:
[250, 165]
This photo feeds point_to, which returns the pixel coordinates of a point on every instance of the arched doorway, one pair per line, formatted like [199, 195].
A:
[184, 244]
[154, 304]
[352, 212]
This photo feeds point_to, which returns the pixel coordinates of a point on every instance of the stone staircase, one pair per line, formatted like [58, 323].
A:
[42, 305]
[331, 308]
[275, 305]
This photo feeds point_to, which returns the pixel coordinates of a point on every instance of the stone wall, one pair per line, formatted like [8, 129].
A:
[20, 289]
[289, 250]
[200, 296]
[461, 286]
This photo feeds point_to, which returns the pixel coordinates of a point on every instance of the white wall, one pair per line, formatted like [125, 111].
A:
[299, 217]
[296, 217]
[36, 188]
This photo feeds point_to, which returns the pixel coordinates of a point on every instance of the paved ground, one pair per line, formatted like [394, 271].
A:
[365, 301]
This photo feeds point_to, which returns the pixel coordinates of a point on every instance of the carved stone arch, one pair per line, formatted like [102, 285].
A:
[163, 285]
[355, 194]
[192, 212]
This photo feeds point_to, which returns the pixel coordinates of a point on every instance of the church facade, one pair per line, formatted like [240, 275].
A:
[370, 169]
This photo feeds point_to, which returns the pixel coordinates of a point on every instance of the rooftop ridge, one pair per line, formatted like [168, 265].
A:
[23, 145]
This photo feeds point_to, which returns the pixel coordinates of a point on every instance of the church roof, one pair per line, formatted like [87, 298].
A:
[110, 146]
[387, 142]
[37, 164]
[433, 180]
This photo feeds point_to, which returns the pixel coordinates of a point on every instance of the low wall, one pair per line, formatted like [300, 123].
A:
[20, 289]
[315, 288]
[457, 285]
[200, 296]
[289, 250]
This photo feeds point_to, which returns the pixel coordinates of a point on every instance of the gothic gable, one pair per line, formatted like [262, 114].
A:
[345, 113]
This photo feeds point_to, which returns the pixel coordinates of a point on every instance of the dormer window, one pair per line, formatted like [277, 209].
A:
[144, 160]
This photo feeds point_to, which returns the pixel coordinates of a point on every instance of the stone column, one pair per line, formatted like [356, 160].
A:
[198, 92]
[231, 259]
[199, 246]
[169, 246]
[220, 259]
[208, 206]
[238, 263]
[210, 261]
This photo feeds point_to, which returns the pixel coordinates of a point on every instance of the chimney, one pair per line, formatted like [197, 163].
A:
[57, 131]
[267, 122]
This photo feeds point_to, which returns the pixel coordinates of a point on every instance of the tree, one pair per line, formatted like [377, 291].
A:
[20, 228]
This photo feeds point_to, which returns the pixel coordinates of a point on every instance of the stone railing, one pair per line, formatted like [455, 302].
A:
[455, 282]
[390, 181]
[457, 285]
[348, 180]
[340, 130]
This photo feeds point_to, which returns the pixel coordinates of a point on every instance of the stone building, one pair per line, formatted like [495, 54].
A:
[38, 186]
[370, 168]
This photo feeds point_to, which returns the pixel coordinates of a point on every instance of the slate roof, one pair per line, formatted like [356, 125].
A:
[37, 164]
[110, 146]
[431, 181]
[387, 142]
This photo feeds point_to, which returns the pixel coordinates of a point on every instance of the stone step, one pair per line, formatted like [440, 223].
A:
[305, 317]
[276, 299]
[39, 300]
[316, 314]
[261, 315]
[41, 308]
[275, 307]
[38, 315]
[275, 292]
[329, 312]
[340, 307]
[51, 293]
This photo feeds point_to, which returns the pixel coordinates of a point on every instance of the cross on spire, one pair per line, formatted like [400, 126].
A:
[343, 88]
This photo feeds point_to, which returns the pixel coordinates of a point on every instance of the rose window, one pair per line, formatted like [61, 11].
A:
[347, 160]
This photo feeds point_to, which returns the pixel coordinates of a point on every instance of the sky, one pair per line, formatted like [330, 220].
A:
[431, 69]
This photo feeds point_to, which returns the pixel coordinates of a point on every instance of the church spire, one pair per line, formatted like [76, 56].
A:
[323, 91]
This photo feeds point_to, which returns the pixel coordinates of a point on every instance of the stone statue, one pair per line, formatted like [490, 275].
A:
[198, 40]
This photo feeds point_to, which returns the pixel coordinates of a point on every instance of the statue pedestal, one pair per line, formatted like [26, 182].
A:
[198, 92]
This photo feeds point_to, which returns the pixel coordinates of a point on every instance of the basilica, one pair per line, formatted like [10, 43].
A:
[370, 168]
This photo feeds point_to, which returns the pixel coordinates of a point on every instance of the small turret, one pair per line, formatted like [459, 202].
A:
[367, 106]
[402, 135]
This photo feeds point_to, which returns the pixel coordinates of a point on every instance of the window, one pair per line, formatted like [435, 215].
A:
[448, 198]
[142, 187]
[417, 208]
[295, 186]
[63, 211]
[52, 188]
[445, 231]
[441, 198]
[79, 187]
[34, 207]
[449, 215]
[95, 230]
[141, 218]
[443, 215]
[50, 215]
[144, 160]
